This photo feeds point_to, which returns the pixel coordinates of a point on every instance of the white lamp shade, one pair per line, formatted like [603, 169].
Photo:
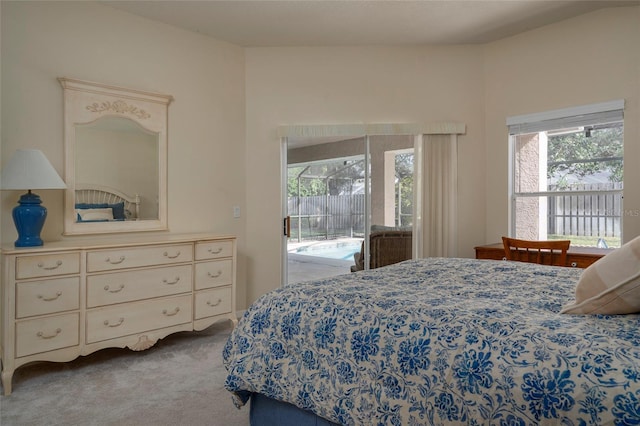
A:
[30, 169]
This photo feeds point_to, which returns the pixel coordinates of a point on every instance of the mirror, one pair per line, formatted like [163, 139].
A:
[116, 152]
[115, 159]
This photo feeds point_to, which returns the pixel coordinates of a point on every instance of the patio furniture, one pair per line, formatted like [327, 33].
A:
[387, 247]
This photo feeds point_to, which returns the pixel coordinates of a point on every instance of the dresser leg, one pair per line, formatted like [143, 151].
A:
[6, 381]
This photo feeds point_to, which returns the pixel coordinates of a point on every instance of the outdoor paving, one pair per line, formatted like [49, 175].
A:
[305, 268]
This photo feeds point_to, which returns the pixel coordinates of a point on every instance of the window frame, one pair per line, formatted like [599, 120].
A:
[580, 116]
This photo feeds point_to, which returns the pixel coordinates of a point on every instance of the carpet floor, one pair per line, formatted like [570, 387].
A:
[179, 381]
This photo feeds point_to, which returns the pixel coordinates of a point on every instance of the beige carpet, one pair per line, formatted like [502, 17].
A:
[179, 381]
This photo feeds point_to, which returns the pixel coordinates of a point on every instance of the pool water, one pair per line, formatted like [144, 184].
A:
[330, 249]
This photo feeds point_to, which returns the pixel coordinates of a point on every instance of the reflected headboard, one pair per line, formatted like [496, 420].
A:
[98, 194]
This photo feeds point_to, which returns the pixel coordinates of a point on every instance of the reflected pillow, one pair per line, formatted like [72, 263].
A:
[118, 208]
[611, 285]
[94, 215]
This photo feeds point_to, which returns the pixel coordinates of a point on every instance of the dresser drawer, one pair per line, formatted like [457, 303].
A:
[214, 249]
[137, 317]
[47, 265]
[119, 287]
[47, 297]
[107, 260]
[47, 334]
[214, 274]
[213, 302]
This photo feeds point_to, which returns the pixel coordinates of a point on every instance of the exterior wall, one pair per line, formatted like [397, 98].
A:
[383, 176]
[527, 179]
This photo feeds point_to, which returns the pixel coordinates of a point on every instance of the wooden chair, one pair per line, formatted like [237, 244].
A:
[552, 252]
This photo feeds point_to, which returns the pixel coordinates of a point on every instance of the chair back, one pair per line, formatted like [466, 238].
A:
[551, 252]
[389, 247]
[386, 248]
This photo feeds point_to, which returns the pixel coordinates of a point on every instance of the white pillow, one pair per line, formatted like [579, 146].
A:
[95, 214]
[611, 285]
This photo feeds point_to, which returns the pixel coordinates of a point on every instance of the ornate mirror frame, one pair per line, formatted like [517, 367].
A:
[86, 102]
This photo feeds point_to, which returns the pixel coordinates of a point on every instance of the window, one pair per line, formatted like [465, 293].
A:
[404, 188]
[566, 174]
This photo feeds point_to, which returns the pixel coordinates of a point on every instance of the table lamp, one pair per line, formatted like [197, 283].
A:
[29, 169]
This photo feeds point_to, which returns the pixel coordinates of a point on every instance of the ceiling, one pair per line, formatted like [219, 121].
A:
[263, 23]
[273, 23]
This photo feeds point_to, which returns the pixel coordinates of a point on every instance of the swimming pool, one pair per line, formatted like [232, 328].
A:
[339, 249]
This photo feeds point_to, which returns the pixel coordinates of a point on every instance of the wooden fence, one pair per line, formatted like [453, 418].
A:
[334, 216]
[326, 216]
[588, 215]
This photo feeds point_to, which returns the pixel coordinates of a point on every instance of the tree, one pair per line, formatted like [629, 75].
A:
[404, 182]
[336, 177]
[586, 153]
[308, 186]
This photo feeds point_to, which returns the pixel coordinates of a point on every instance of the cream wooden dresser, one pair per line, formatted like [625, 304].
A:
[71, 298]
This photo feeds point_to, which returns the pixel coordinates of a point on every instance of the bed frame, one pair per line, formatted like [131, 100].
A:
[94, 194]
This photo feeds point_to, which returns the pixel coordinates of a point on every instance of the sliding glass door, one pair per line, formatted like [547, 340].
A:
[349, 204]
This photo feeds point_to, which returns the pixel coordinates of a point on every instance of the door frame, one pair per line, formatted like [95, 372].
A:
[417, 195]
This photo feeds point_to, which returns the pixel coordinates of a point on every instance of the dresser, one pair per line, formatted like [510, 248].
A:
[72, 298]
[578, 257]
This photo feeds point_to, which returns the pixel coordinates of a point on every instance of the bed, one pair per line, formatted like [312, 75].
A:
[98, 203]
[435, 341]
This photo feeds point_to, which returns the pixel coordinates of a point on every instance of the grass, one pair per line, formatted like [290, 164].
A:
[584, 241]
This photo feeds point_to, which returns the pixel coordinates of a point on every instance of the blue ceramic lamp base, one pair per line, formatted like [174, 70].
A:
[29, 216]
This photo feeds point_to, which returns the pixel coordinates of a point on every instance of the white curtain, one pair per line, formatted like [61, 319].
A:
[377, 129]
[440, 202]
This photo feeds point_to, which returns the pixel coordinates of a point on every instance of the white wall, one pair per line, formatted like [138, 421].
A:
[352, 85]
[589, 59]
[90, 41]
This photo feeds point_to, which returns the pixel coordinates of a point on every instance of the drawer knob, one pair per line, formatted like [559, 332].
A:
[170, 314]
[119, 289]
[574, 264]
[166, 254]
[41, 335]
[214, 304]
[120, 321]
[114, 262]
[167, 282]
[50, 299]
[216, 251]
[214, 275]
[50, 268]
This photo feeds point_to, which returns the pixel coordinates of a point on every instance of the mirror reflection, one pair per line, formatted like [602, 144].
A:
[117, 172]
[115, 142]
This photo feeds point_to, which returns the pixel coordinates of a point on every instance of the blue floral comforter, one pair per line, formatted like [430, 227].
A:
[439, 341]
